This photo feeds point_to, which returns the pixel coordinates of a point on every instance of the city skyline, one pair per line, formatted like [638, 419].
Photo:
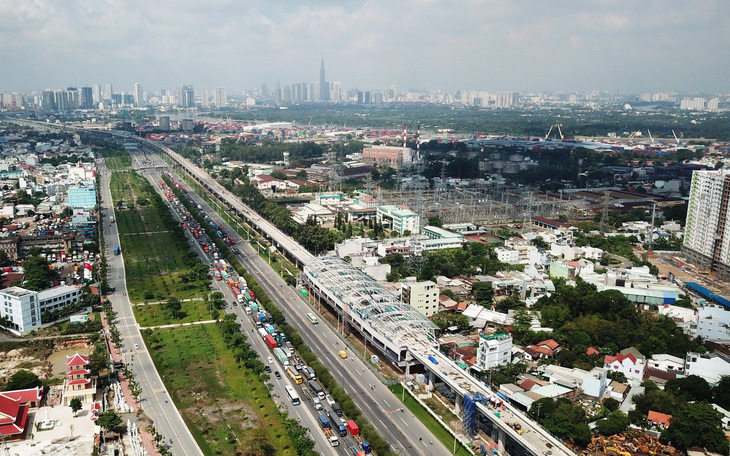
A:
[616, 46]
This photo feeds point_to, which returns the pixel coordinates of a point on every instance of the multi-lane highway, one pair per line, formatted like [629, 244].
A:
[409, 435]
[154, 398]
[303, 413]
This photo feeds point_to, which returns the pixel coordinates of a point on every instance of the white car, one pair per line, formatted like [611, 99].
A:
[330, 401]
[271, 360]
[317, 403]
[136, 346]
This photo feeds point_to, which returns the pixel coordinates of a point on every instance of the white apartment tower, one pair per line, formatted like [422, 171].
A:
[707, 231]
[138, 95]
[204, 97]
[219, 97]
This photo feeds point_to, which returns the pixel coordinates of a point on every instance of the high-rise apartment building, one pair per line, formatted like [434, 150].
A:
[87, 98]
[97, 94]
[138, 95]
[219, 97]
[108, 91]
[186, 96]
[707, 231]
[713, 104]
[204, 97]
[48, 100]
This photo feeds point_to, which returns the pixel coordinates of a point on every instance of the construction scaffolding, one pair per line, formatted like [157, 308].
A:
[362, 298]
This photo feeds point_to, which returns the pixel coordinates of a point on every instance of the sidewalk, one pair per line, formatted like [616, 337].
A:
[204, 322]
[124, 383]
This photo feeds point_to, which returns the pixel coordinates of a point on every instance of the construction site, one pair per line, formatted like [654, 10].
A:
[628, 444]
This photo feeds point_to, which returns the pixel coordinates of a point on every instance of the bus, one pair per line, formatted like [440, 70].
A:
[312, 318]
[294, 374]
[293, 395]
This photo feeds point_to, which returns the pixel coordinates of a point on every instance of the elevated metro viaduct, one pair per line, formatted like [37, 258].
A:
[397, 331]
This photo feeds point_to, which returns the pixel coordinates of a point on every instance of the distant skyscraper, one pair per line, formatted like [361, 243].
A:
[186, 96]
[138, 95]
[108, 92]
[87, 98]
[323, 88]
[713, 104]
[204, 98]
[219, 97]
[97, 93]
[48, 100]
[336, 91]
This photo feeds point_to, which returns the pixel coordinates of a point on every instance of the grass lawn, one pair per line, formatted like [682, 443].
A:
[228, 409]
[156, 315]
[153, 257]
[429, 421]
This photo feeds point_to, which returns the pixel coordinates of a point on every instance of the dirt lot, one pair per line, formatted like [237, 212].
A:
[670, 263]
[45, 358]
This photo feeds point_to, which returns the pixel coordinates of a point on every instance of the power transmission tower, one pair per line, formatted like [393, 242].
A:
[604, 216]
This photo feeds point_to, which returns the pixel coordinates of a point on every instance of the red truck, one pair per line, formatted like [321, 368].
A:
[270, 341]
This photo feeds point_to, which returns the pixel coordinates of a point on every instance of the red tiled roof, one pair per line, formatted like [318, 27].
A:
[659, 418]
[462, 306]
[79, 371]
[543, 350]
[620, 358]
[527, 384]
[549, 343]
[18, 426]
[26, 395]
[9, 408]
[592, 351]
[80, 381]
[265, 178]
[77, 360]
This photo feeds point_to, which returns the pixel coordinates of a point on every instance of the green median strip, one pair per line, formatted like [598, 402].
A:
[440, 432]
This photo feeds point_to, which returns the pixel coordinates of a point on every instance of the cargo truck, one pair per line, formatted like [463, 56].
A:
[317, 389]
[270, 341]
[279, 353]
[336, 426]
[324, 423]
[355, 431]
[271, 330]
[262, 333]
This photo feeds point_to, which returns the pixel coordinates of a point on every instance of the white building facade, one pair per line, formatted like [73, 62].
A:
[24, 308]
[400, 219]
[495, 350]
[422, 296]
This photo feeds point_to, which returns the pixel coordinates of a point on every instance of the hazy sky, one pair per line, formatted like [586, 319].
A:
[539, 45]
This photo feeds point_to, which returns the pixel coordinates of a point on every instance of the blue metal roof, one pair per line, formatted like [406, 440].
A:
[710, 295]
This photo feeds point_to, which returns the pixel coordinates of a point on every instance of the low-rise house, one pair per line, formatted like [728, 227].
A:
[495, 350]
[630, 362]
[666, 363]
[596, 382]
[712, 367]
[661, 420]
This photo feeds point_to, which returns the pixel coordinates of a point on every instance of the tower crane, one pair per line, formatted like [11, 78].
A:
[559, 131]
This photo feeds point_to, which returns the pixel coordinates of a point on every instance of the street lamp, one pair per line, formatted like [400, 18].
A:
[343, 370]
[390, 424]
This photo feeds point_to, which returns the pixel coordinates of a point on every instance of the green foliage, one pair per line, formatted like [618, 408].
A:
[483, 293]
[75, 405]
[173, 306]
[561, 418]
[611, 404]
[98, 358]
[447, 319]
[23, 379]
[38, 276]
[722, 392]
[582, 317]
[616, 422]
[691, 388]
[617, 376]
[436, 220]
[696, 424]
[109, 420]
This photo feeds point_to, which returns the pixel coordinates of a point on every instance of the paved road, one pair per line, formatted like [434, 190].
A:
[154, 398]
[361, 383]
[303, 412]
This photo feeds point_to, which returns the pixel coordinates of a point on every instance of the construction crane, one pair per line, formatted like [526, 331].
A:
[559, 131]
[650, 137]
[675, 137]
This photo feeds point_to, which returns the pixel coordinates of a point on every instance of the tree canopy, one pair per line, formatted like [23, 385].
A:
[38, 275]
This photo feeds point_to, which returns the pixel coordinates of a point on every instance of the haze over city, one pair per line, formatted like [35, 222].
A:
[516, 46]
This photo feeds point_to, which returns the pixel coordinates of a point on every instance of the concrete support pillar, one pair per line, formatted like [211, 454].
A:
[458, 404]
[501, 441]
[431, 379]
